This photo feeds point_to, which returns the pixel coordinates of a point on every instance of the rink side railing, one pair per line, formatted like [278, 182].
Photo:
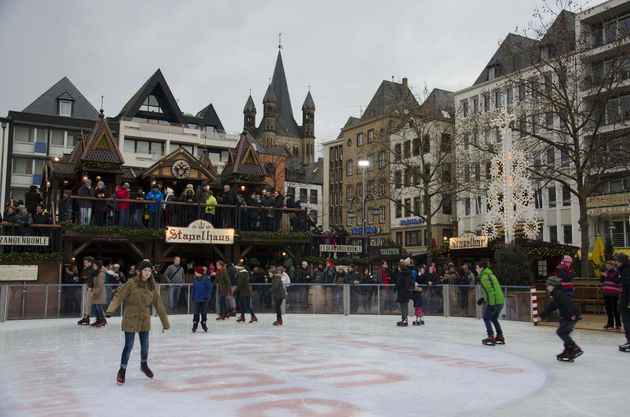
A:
[48, 301]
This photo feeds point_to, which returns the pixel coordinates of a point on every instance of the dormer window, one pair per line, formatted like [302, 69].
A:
[65, 108]
[151, 105]
[492, 72]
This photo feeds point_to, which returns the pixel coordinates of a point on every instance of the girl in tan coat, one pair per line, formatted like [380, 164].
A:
[139, 294]
[99, 293]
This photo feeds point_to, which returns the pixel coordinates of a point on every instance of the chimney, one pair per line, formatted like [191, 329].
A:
[405, 86]
[405, 82]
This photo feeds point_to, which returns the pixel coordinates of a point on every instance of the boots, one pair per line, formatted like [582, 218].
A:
[241, 319]
[97, 323]
[120, 378]
[499, 339]
[278, 322]
[85, 320]
[145, 370]
[101, 323]
[489, 341]
[402, 323]
[204, 327]
[254, 319]
[195, 324]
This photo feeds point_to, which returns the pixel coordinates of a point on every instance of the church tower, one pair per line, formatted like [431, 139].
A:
[268, 123]
[308, 126]
[249, 116]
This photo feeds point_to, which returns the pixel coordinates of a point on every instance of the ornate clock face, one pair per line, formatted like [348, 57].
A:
[180, 169]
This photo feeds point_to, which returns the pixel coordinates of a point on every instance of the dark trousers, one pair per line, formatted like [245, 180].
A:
[200, 309]
[491, 317]
[222, 304]
[564, 331]
[279, 308]
[611, 301]
[625, 318]
[245, 305]
[144, 347]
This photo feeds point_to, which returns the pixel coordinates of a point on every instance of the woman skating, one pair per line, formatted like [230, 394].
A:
[493, 300]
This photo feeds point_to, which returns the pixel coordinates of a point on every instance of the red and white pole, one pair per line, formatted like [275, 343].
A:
[534, 304]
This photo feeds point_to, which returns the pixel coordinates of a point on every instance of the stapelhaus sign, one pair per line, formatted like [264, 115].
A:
[200, 231]
[468, 241]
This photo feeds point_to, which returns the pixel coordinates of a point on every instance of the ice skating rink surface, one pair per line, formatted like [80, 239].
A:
[314, 365]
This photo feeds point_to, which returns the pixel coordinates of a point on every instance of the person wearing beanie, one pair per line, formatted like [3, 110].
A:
[611, 290]
[244, 293]
[201, 295]
[492, 298]
[623, 264]
[569, 315]
[138, 294]
[87, 278]
[566, 275]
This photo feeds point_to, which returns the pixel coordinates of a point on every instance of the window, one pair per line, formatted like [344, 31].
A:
[407, 207]
[72, 139]
[464, 108]
[360, 139]
[497, 100]
[416, 147]
[564, 158]
[466, 173]
[445, 144]
[412, 238]
[475, 105]
[568, 234]
[381, 210]
[397, 152]
[313, 197]
[446, 173]
[486, 102]
[399, 238]
[551, 193]
[447, 207]
[349, 168]
[144, 147]
[521, 92]
[488, 170]
[65, 108]
[398, 209]
[175, 146]
[492, 73]
[370, 159]
[553, 233]
[477, 172]
[497, 135]
[303, 195]
[313, 215]
[467, 206]
[542, 267]
[151, 105]
[57, 137]
[509, 94]
[381, 159]
[549, 120]
[466, 141]
[291, 191]
[42, 135]
[382, 183]
[398, 179]
[566, 196]
[426, 144]
[416, 206]
[407, 149]
[538, 199]
[548, 82]
[407, 178]
[478, 206]
[551, 156]
[360, 189]
[22, 166]
[349, 194]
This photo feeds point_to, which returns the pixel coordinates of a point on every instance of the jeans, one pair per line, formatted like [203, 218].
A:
[200, 309]
[144, 347]
[100, 314]
[404, 310]
[246, 305]
[174, 296]
[123, 219]
[154, 219]
[491, 316]
[564, 330]
[137, 218]
[222, 304]
[86, 216]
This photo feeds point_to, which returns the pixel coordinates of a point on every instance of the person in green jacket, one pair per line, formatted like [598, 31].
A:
[279, 294]
[244, 292]
[211, 206]
[493, 300]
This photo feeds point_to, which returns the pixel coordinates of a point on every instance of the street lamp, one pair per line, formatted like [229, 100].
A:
[363, 163]
[4, 126]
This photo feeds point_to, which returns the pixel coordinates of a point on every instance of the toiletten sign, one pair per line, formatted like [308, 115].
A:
[468, 241]
[200, 231]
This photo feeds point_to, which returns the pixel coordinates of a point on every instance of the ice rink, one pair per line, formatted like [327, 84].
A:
[314, 365]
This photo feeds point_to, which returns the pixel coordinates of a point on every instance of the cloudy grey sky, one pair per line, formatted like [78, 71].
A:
[216, 50]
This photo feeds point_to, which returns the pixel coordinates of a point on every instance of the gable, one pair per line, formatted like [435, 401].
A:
[48, 103]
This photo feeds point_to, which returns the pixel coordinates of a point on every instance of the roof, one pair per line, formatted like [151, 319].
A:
[156, 85]
[210, 117]
[47, 103]
[305, 174]
[206, 168]
[270, 96]
[243, 159]
[250, 106]
[390, 98]
[349, 123]
[309, 104]
[439, 103]
[98, 146]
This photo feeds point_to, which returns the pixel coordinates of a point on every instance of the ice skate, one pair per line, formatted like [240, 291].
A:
[84, 321]
[608, 327]
[402, 323]
[618, 327]
[415, 323]
[421, 322]
[204, 327]
[253, 320]
[146, 370]
[489, 341]
[241, 319]
[565, 356]
[625, 347]
[499, 339]
[120, 377]
[575, 352]
[278, 322]
[101, 323]
[194, 329]
[97, 323]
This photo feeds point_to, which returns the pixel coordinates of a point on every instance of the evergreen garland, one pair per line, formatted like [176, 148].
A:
[31, 257]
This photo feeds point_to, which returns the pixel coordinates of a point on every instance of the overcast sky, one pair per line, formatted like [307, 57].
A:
[215, 51]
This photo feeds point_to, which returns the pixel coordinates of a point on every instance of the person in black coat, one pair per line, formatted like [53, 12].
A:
[228, 212]
[569, 315]
[32, 198]
[404, 290]
[623, 265]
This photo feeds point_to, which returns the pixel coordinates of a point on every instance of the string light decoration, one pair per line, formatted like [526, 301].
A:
[510, 194]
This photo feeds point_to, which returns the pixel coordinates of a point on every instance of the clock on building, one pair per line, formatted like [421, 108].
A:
[180, 169]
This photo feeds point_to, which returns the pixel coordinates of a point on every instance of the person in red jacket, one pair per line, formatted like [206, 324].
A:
[122, 207]
[611, 290]
[565, 275]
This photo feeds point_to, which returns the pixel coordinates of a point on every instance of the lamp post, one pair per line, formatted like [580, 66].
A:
[2, 193]
[363, 163]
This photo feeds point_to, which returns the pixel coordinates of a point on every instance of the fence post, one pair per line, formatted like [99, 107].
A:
[346, 299]
[378, 300]
[533, 311]
[4, 303]
[479, 309]
[446, 300]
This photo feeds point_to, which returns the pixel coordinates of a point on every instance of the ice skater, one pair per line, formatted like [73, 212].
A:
[404, 288]
[493, 300]
[244, 291]
[416, 296]
[611, 291]
[139, 294]
[624, 299]
[569, 315]
[201, 295]
[279, 294]
[224, 289]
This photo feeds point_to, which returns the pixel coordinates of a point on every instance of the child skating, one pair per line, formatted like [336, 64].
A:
[493, 300]
[416, 296]
[201, 295]
[569, 315]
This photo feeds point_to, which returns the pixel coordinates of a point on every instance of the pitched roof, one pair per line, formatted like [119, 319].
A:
[309, 104]
[249, 106]
[514, 54]
[205, 161]
[390, 98]
[210, 117]
[440, 103]
[243, 159]
[285, 122]
[178, 154]
[97, 146]
[47, 103]
[270, 96]
[350, 122]
[156, 85]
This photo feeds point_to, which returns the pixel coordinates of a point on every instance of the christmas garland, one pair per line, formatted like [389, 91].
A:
[96, 165]
[276, 235]
[362, 261]
[104, 230]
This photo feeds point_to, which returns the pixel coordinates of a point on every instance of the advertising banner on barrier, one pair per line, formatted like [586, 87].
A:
[341, 248]
[24, 240]
[200, 231]
[18, 272]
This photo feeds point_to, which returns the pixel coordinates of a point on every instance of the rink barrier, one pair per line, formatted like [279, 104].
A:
[534, 303]
[47, 301]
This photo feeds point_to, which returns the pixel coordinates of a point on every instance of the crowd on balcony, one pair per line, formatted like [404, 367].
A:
[160, 206]
[22, 217]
